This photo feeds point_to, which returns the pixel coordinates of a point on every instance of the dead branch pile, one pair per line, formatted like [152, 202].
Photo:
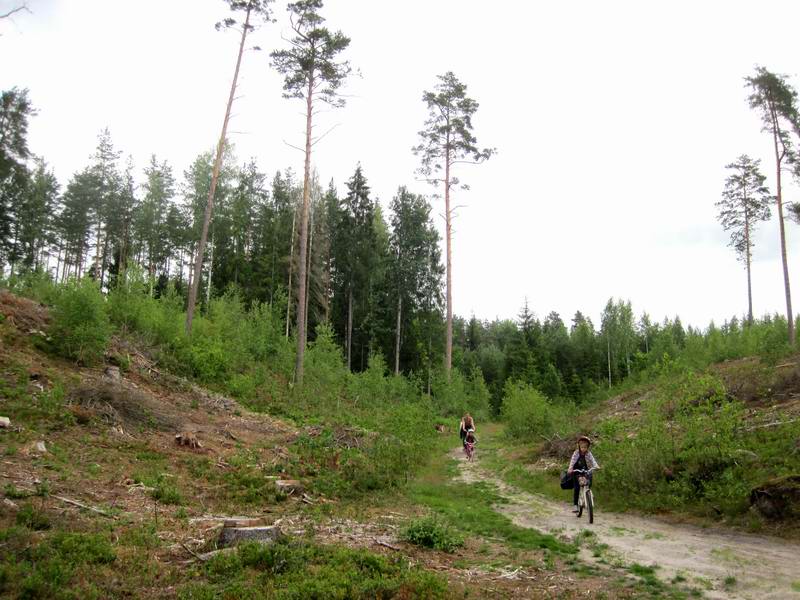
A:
[119, 404]
[558, 447]
[26, 315]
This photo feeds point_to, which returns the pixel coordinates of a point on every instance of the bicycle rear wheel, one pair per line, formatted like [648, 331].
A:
[590, 505]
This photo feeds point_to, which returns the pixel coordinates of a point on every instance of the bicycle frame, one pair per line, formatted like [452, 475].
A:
[585, 489]
[469, 449]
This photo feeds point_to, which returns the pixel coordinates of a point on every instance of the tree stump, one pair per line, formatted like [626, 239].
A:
[289, 486]
[778, 499]
[230, 536]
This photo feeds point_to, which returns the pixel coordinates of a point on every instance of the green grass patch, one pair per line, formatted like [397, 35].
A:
[49, 568]
[300, 570]
[469, 508]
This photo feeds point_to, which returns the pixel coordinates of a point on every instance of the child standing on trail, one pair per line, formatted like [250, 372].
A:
[581, 459]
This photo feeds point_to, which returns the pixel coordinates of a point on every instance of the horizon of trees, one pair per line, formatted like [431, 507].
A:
[376, 279]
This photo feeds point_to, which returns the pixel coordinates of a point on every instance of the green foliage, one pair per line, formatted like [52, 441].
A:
[461, 394]
[167, 492]
[37, 285]
[689, 448]
[528, 414]
[47, 567]
[298, 571]
[432, 533]
[32, 518]
[80, 327]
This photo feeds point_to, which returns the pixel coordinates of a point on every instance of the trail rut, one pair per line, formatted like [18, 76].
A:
[764, 568]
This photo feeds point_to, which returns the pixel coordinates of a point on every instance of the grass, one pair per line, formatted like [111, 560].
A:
[299, 570]
[469, 507]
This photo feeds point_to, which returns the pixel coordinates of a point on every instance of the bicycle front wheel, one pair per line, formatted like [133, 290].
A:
[590, 505]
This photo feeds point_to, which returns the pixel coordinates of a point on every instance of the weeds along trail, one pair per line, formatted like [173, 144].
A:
[755, 567]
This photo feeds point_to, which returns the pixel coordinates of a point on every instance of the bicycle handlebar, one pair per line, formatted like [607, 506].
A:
[584, 471]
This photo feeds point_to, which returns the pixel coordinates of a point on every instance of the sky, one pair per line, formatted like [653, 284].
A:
[613, 123]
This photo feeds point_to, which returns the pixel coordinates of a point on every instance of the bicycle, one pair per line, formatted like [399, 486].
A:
[469, 450]
[585, 498]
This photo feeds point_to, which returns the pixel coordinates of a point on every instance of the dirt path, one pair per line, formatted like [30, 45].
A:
[763, 568]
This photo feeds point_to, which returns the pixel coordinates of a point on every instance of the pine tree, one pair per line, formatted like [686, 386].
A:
[106, 204]
[36, 217]
[313, 74]
[15, 111]
[75, 221]
[745, 201]
[776, 101]
[446, 141]
[251, 8]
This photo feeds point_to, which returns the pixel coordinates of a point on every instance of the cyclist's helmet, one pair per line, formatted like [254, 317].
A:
[586, 439]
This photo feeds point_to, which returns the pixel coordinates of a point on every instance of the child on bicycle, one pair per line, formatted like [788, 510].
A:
[470, 438]
[581, 459]
[467, 423]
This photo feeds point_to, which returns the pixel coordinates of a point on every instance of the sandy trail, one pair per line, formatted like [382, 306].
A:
[765, 568]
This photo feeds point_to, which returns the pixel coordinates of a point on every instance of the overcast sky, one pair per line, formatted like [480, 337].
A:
[613, 123]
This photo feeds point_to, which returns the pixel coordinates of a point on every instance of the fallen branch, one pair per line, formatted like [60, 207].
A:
[91, 508]
[765, 425]
[192, 552]
[382, 543]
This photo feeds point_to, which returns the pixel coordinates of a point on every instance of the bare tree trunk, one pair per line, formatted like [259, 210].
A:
[308, 268]
[291, 268]
[210, 273]
[747, 259]
[448, 350]
[349, 325]
[198, 263]
[778, 160]
[191, 271]
[608, 354]
[301, 292]
[97, 268]
[430, 347]
[103, 261]
[397, 335]
[58, 262]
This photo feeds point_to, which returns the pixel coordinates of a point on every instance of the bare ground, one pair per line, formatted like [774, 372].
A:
[757, 567]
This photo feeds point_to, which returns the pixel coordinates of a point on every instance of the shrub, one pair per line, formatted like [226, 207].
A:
[80, 328]
[166, 492]
[529, 414]
[32, 518]
[432, 533]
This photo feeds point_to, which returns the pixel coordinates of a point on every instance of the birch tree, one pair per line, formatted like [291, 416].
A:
[446, 141]
[313, 73]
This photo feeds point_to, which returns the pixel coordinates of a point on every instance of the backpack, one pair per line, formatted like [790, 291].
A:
[566, 481]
